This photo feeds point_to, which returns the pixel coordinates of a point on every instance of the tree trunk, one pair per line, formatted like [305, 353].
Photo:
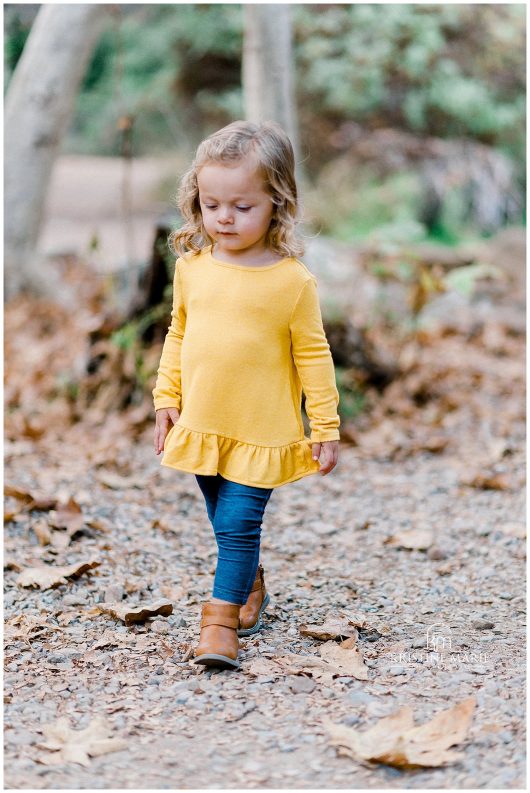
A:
[267, 67]
[38, 107]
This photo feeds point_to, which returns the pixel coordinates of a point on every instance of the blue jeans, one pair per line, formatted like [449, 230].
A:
[235, 512]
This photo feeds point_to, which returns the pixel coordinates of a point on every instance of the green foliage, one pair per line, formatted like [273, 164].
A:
[127, 336]
[16, 31]
[435, 69]
[441, 70]
[352, 401]
[357, 202]
[129, 339]
[464, 279]
[137, 70]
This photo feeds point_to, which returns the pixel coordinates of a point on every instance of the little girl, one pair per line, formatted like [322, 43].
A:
[246, 338]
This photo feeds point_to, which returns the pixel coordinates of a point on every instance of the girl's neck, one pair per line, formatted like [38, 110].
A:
[254, 259]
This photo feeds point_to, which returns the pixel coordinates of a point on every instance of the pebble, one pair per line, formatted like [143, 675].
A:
[58, 658]
[113, 594]
[20, 738]
[397, 670]
[10, 598]
[74, 600]
[286, 747]
[159, 626]
[70, 652]
[359, 697]
[183, 697]
[483, 624]
[436, 554]
[352, 719]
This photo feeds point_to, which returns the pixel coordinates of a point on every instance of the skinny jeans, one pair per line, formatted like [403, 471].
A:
[236, 513]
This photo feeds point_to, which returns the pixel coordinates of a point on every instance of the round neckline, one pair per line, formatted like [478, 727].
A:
[246, 267]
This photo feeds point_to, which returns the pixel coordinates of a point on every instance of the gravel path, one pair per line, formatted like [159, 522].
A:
[323, 551]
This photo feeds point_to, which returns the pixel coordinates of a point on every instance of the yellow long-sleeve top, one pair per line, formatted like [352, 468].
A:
[242, 345]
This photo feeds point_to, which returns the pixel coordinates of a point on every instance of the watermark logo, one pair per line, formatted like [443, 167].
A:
[437, 648]
[439, 638]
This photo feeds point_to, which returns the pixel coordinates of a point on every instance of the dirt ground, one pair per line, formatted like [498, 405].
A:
[418, 532]
[324, 553]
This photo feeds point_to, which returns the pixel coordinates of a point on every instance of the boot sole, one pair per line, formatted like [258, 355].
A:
[221, 661]
[258, 624]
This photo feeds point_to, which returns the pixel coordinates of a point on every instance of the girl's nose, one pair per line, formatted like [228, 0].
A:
[225, 216]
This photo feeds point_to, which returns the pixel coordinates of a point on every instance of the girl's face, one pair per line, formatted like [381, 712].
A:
[236, 210]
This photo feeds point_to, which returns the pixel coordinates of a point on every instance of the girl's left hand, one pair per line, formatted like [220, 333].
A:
[328, 453]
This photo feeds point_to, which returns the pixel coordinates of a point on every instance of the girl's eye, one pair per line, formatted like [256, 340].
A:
[243, 209]
[210, 206]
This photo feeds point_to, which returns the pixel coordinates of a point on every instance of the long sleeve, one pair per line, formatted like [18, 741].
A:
[167, 391]
[314, 364]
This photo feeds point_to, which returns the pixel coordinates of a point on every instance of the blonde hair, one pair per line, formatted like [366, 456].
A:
[274, 155]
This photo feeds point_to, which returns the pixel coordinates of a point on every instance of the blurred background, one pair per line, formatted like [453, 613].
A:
[409, 127]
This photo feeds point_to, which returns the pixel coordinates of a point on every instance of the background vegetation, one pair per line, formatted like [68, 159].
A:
[450, 72]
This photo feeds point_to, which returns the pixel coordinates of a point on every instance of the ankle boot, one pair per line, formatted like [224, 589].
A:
[250, 614]
[218, 644]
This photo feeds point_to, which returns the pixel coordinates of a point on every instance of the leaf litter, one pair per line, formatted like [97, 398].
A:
[345, 638]
[396, 741]
[78, 746]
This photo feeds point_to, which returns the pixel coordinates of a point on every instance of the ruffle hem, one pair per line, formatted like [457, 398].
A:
[258, 466]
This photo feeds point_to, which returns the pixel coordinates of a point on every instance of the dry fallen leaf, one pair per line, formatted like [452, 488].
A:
[332, 628]
[67, 516]
[11, 564]
[47, 577]
[77, 746]
[163, 525]
[98, 524]
[346, 657]
[10, 514]
[396, 741]
[129, 614]
[412, 539]
[318, 668]
[31, 500]
[488, 481]
[264, 666]
[118, 482]
[42, 532]
[366, 622]
[17, 492]
[111, 638]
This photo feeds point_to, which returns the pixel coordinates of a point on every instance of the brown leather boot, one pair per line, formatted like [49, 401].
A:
[218, 644]
[258, 600]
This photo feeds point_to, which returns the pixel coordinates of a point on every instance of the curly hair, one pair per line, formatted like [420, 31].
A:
[273, 151]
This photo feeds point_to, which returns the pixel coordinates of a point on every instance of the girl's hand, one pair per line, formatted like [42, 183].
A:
[164, 418]
[328, 452]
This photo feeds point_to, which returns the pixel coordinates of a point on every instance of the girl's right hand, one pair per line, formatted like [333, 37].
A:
[165, 417]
